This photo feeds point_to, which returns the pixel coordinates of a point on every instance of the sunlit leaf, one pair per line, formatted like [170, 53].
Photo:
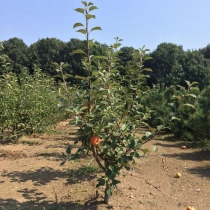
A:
[155, 148]
[79, 52]
[189, 105]
[145, 151]
[92, 8]
[96, 28]
[188, 83]
[85, 3]
[100, 57]
[109, 191]
[89, 16]
[80, 77]
[78, 25]
[159, 127]
[192, 95]
[147, 69]
[81, 10]
[175, 118]
[83, 31]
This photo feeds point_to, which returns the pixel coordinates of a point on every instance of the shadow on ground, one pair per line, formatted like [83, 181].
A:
[44, 175]
[201, 171]
[11, 204]
[37, 200]
[194, 156]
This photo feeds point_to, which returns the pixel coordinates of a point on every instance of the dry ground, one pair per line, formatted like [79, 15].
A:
[31, 177]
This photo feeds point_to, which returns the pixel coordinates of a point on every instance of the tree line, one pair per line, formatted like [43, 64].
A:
[171, 64]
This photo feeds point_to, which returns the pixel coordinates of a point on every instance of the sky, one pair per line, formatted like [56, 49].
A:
[137, 22]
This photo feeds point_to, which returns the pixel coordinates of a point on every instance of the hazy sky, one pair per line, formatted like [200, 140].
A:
[137, 22]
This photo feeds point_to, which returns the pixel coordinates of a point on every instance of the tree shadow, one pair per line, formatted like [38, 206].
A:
[203, 171]
[44, 175]
[53, 156]
[41, 176]
[168, 145]
[195, 156]
[7, 204]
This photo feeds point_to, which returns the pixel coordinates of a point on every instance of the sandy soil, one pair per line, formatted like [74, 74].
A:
[31, 177]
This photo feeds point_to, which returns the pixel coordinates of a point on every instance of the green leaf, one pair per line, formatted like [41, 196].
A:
[159, 127]
[62, 163]
[83, 31]
[85, 3]
[101, 182]
[96, 28]
[148, 58]
[68, 151]
[192, 95]
[123, 127]
[152, 130]
[194, 83]
[89, 16]
[175, 118]
[188, 83]
[147, 136]
[155, 148]
[90, 3]
[100, 57]
[110, 174]
[109, 191]
[95, 73]
[115, 182]
[91, 43]
[147, 69]
[131, 144]
[145, 151]
[189, 105]
[92, 8]
[77, 25]
[79, 52]
[80, 77]
[81, 10]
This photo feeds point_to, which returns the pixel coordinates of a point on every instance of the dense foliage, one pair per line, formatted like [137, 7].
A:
[28, 104]
[111, 92]
[171, 65]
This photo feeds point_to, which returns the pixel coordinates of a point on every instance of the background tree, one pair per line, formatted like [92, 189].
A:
[125, 57]
[196, 68]
[206, 51]
[17, 52]
[166, 64]
[44, 53]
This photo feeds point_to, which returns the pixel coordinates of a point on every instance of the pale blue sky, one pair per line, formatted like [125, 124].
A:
[137, 22]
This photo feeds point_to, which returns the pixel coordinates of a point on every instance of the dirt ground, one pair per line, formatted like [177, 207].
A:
[31, 177]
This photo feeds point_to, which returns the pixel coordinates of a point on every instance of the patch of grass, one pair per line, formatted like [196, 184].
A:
[14, 208]
[54, 131]
[29, 142]
[202, 144]
[84, 170]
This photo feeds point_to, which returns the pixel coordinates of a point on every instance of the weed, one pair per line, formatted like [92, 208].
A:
[84, 170]
[30, 143]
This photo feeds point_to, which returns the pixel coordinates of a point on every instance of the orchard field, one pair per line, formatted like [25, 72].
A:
[110, 128]
[32, 178]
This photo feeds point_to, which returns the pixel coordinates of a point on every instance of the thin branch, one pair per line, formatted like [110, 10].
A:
[97, 158]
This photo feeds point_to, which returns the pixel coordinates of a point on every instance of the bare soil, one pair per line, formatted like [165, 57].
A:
[31, 177]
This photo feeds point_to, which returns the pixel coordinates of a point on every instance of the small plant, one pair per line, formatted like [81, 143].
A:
[108, 108]
[29, 142]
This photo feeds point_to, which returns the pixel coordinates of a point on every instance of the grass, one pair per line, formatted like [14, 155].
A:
[30, 142]
[84, 170]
